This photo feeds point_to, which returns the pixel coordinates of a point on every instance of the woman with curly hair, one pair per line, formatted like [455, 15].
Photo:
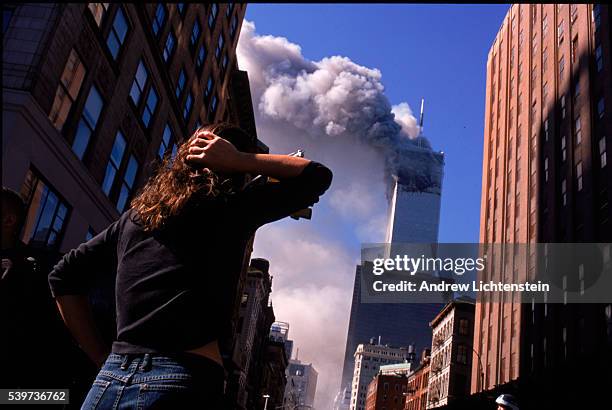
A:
[177, 253]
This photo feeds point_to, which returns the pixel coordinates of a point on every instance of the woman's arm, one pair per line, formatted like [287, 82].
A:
[78, 317]
[220, 155]
[300, 181]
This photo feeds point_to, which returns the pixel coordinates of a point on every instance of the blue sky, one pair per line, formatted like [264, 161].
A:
[437, 52]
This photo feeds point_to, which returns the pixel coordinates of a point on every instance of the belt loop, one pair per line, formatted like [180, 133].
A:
[146, 362]
[124, 362]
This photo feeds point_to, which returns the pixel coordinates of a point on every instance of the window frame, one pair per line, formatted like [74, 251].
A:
[157, 27]
[112, 31]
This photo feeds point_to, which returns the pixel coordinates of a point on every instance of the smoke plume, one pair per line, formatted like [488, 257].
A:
[335, 110]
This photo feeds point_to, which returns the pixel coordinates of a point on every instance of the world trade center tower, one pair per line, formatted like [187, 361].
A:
[413, 217]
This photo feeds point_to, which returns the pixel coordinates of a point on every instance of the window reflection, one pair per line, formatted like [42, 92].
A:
[46, 215]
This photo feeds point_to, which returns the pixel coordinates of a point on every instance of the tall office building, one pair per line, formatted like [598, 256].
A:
[301, 384]
[414, 213]
[546, 178]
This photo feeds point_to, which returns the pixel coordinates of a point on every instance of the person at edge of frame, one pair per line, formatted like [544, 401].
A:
[36, 350]
[177, 253]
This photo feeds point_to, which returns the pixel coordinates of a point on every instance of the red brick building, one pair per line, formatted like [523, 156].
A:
[546, 175]
[386, 392]
[418, 384]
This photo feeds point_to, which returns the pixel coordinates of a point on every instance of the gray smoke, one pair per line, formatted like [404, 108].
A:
[331, 98]
[335, 110]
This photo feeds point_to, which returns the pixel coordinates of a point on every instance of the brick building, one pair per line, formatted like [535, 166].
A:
[546, 178]
[386, 391]
[451, 353]
[418, 384]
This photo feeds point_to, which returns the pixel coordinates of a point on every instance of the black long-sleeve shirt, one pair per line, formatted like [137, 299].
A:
[175, 287]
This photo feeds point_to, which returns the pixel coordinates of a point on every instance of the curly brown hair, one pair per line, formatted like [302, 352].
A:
[167, 191]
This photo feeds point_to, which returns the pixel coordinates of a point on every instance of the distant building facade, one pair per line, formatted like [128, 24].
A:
[418, 384]
[273, 378]
[368, 359]
[386, 391]
[301, 384]
[256, 317]
[451, 353]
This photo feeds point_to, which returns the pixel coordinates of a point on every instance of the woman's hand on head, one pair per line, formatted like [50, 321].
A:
[210, 151]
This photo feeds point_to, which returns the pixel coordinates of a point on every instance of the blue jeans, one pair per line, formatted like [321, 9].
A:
[146, 381]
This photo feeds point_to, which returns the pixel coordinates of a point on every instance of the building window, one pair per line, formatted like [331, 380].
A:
[578, 130]
[98, 11]
[150, 106]
[563, 106]
[546, 169]
[114, 163]
[560, 32]
[219, 48]
[187, 107]
[128, 183]
[563, 148]
[195, 34]
[544, 26]
[601, 108]
[229, 9]
[545, 91]
[213, 108]
[208, 89]
[67, 90]
[244, 299]
[546, 130]
[46, 214]
[464, 327]
[564, 191]
[574, 48]
[88, 122]
[602, 152]
[462, 354]
[140, 80]
[159, 19]
[201, 58]
[90, 234]
[180, 84]
[597, 15]
[561, 67]
[117, 34]
[579, 175]
[167, 142]
[599, 58]
[212, 17]
[169, 47]
[576, 90]
[233, 26]
[574, 12]
[181, 9]
[224, 63]
[544, 59]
